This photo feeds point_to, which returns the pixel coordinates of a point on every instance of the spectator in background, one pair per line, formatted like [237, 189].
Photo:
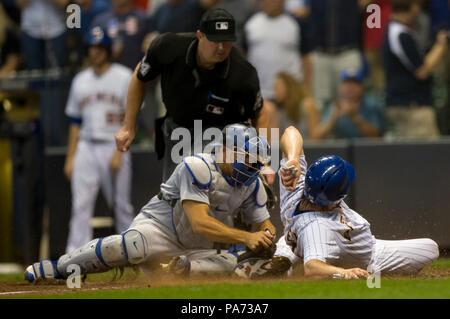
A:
[153, 5]
[335, 33]
[408, 74]
[293, 105]
[373, 42]
[299, 8]
[43, 25]
[90, 9]
[179, 15]
[439, 11]
[241, 10]
[275, 41]
[352, 114]
[127, 26]
[9, 46]
[142, 4]
[12, 11]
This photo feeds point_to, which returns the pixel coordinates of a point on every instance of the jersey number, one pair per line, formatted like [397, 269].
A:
[114, 118]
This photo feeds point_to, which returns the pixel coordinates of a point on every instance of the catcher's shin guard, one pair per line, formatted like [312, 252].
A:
[45, 269]
[102, 254]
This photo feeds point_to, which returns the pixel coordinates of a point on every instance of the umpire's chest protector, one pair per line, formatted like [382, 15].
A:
[224, 201]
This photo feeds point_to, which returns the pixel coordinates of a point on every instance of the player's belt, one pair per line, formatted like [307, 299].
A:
[298, 212]
[97, 140]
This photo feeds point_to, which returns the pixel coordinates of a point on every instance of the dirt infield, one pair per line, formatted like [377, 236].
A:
[18, 289]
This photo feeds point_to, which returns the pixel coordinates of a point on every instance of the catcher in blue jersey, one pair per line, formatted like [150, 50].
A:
[188, 215]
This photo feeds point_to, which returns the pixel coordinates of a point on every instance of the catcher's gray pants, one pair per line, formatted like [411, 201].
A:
[163, 245]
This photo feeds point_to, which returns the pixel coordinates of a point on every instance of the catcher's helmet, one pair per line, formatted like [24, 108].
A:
[327, 180]
[250, 152]
[98, 36]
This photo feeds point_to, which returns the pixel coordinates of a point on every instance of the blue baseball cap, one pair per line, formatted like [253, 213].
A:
[98, 36]
[352, 74]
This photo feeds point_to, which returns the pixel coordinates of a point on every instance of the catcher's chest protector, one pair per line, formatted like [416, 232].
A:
[224, 201]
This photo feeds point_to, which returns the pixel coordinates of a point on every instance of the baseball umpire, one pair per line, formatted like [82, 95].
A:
[202, 77]
[96, 106]
[330, 238]
[185, 218]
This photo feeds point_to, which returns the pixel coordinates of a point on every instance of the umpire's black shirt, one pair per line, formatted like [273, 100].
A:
[227, 94]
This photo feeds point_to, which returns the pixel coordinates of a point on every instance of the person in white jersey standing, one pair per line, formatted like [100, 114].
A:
[333, 240]
[96, 107]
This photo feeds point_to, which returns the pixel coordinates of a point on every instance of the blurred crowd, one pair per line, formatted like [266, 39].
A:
[332, 68]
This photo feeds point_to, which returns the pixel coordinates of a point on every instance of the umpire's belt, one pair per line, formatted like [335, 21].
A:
[171, 202]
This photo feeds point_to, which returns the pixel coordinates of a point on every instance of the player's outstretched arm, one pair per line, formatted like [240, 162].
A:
[205, 225]
[318, 269]
[292, 148]
[135, 97]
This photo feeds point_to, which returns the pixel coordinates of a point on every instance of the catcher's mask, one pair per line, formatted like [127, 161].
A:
[247, 151]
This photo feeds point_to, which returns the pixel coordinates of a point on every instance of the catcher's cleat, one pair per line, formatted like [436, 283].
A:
[45, 269]
[180, 265]
[253, 268]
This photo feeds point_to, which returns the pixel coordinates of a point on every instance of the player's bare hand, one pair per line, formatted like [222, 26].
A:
[290, 176]
[259, 240]
[355, 273]
[124, 138]
[68, 168]
[116, 162]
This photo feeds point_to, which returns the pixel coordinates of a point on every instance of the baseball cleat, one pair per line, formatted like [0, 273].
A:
[253, 268]
[179, 265]
[45, 269]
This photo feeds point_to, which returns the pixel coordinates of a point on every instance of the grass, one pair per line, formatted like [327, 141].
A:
[390, 289]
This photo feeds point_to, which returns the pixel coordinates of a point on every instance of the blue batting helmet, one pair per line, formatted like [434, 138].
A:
[327, 180]
[250, 152]
[98, 36]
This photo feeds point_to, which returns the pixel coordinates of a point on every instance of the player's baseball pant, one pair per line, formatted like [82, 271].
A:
[91, 172]
[403, 256]
[389, 256]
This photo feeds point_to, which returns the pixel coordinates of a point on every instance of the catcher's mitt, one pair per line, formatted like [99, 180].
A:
[263, 253]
